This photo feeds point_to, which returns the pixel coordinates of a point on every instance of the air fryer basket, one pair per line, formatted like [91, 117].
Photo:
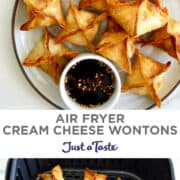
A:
[77, 174]
[127, 169]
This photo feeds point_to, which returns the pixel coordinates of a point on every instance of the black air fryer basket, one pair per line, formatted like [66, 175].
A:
[127, 169]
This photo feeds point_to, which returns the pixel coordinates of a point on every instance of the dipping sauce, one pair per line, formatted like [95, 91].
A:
[90, 83]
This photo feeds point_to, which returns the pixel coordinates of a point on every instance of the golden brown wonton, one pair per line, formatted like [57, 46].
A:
[119, 178]
[146, 78]
[82, 27]
[100, 5]
[90, 175]
[50, 57]
[113, 26]
[117, 47]
[43, 13]
[137, 17]
[158, 3]
[167, 38]
[55, 174]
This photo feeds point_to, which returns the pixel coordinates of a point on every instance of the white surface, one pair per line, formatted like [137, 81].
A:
[25, 41]
[15, 91]
[3, 163]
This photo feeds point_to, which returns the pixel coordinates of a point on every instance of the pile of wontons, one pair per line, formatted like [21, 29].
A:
[57, 174]
[128, 22]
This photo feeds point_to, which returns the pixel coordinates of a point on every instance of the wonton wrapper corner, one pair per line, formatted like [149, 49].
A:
[100, 5]
[117, 47]
[135, 16]
[43, 14]
[167, 38]
[82, 27]
[49, 57]
[90, 175]
[55, 174]
[147, 77]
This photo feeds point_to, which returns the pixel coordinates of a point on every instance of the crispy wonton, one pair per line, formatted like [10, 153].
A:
[43, 13]
[117, 47]
[100, 5]
[158, 3]
[118, 178]
[82, 27]
[113, 26]
[90, 175]
[55, 174]
[45, 176]
[146, 78]
[50, 57]
[167, 38]
[137, 17]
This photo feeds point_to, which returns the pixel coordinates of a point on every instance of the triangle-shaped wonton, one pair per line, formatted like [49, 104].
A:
[137, 17]
[167, 38]
[49, 57]
[158, 3]
[55, 174]
[113, 26]
[43, 13]
[45, 176]
[82, 27]
[89, 175]
[117, 47]
[146, 78]
[100, 5]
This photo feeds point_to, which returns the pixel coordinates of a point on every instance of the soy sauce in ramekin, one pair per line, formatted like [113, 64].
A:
[90, 83]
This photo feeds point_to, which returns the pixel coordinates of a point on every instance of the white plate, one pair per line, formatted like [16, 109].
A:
[25, 41]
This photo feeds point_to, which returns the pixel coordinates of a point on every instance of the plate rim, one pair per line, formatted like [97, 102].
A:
[36, 89]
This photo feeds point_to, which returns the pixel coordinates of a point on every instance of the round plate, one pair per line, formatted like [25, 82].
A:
[23, 43]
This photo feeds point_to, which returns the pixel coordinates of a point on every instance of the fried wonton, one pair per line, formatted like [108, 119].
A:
[137, 17]
[55, 174]
[113, 26]
[117, 47]
[82, 27]
[158, 3]
[167, 38]
[147, 77]
[50, 57]
[90, 175]
[45, 176]
[43, 13]
[100, 5]
[118, 178]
